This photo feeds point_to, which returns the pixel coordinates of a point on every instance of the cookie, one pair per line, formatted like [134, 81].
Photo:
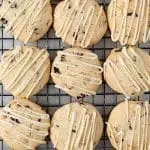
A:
[76, 126]
[80, 22]
[24, 125]
[24, 70]
[26, 20]
[128, 126]
[129, 21]
[77, 71]
[127, 71]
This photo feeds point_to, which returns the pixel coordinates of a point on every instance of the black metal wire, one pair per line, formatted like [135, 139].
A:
[102, 99]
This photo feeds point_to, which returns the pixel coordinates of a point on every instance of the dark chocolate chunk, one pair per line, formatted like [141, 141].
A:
[15, 120]
[81, 96]
[62, 58]
[73, 34]
[57, 126]
[76, 37]
[136, 15]
[14, 5]
[134, 58]
[73, 130]
[80, 54]
[81, 103]
[118, 50]
[130, 127]
[36, 31]
[130, 14]
[4, 21]
[18, 105]
[27, 106]
[140, 75]
[39, 120]
[69, 6]
[56, 70]
[83, 32]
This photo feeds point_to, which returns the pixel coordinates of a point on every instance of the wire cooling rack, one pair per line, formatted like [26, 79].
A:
[51, 98]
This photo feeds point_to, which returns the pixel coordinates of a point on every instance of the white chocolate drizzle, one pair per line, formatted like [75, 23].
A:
[18, 24]
[77, 11]
[85, 129]
[137, 75]
[136, 21]
[139, 126]
[23, 69]
[83, 66]
[25, 123]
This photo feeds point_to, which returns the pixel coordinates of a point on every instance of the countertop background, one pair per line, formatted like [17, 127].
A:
[51, 98]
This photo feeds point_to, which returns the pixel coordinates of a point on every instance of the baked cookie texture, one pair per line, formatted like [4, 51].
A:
[24, 70]
[77, 71]
[80, 22]
[24, 125]
[128, 126]
[26, 20]
[129, 21]
[127, 71]
[76, 126]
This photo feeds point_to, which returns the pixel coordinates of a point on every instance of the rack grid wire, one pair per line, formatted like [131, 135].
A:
[51, 98]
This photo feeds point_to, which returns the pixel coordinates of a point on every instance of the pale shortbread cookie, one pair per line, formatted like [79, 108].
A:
[127, 71]
[24, 125]
[128, 126]
[76, 126]
[129, 21]
[24, 70]
[26, 20]
[77, 71]
[80, 22]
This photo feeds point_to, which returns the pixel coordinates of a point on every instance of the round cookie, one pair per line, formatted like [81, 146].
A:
[24, 70]
[24, 125]
[127, 71]
[80, 22]
[129, 21]
[128, 126]
[26, 20]
[76, 126]
[77, 71]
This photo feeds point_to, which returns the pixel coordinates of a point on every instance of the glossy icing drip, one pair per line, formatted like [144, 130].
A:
[81, 138]
[78, 11]
[19, 21]
[130, 20]
[137, 75]
[83, 66]
[24, 120]
[139, 124]
[23, 69]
